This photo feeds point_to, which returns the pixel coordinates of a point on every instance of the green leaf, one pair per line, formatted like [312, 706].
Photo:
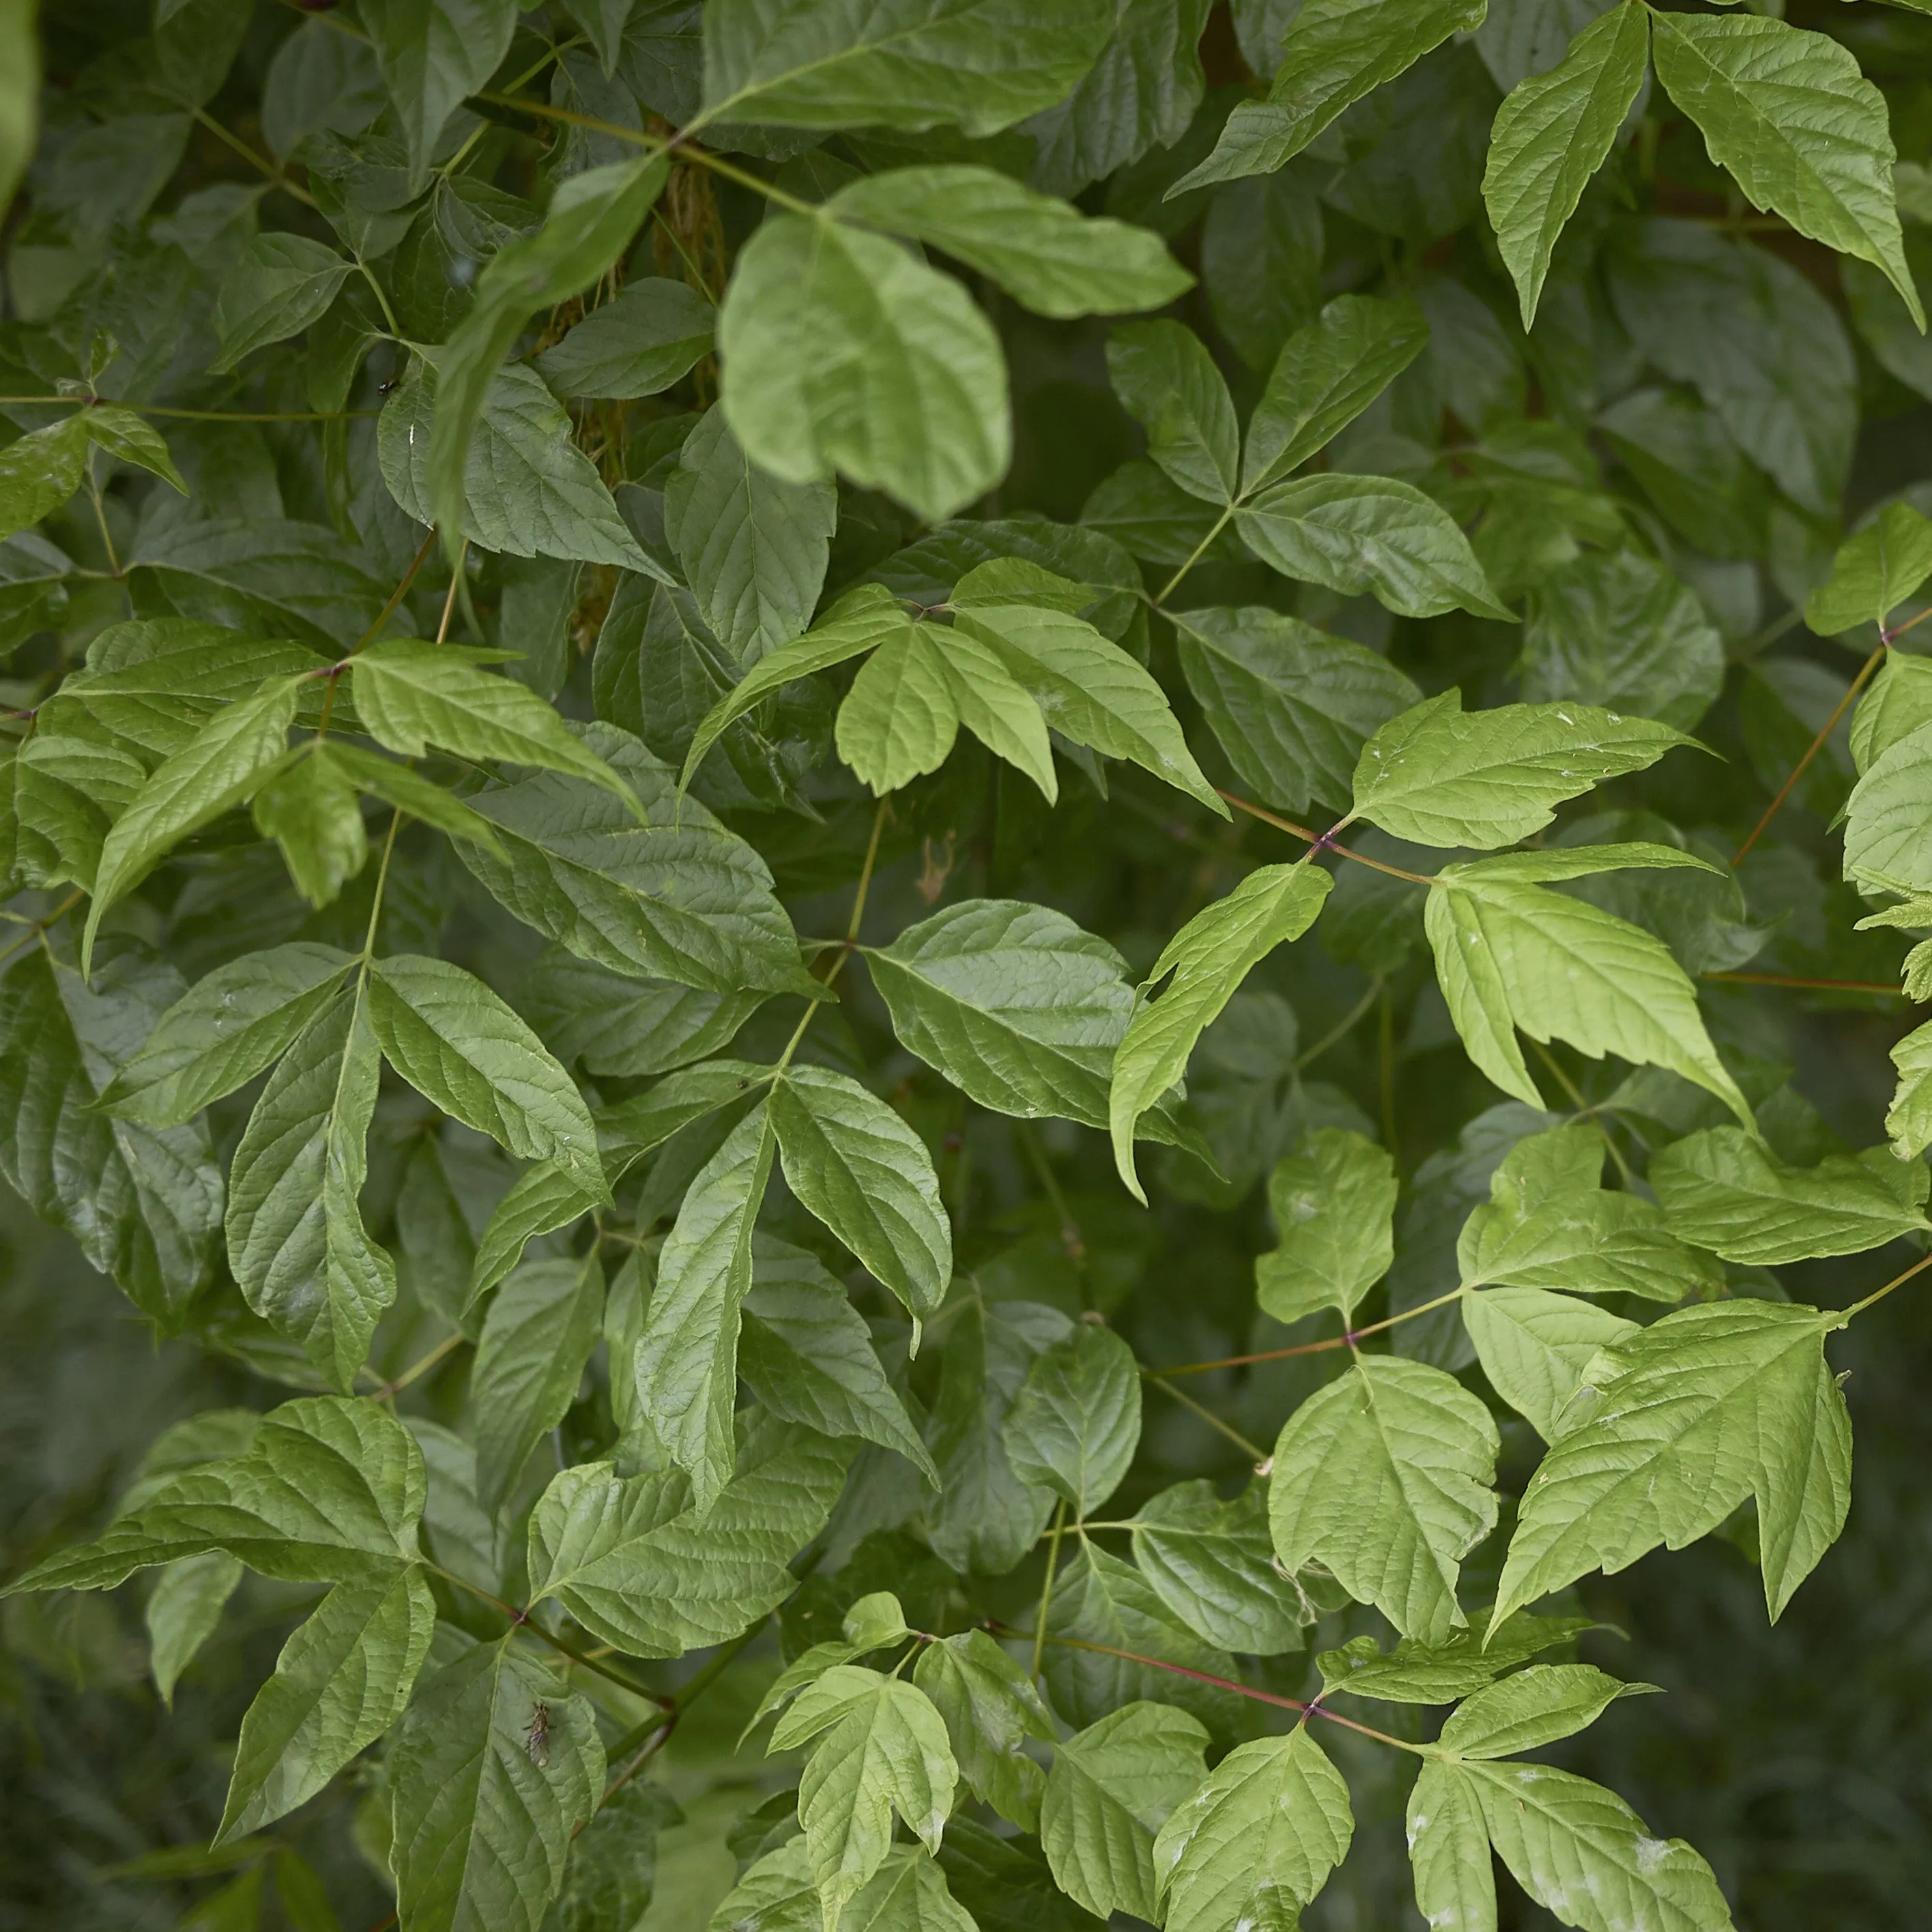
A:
[1385, 1477]
[636, 345]
[182, 1612]
[1291, 706]
[1213, 1564]
[413, 694]
[753, 547]
[777, 1894]
[1534, 1707]
[991, 1710]
[1272, 1818]
[1015, 1005]
[1075, 1422]
[1909, 1119]
[806, 1354]
[341, 1680]
[1369, 533]
[1333, 1205]
[1896, 704]
[1089, 689]
[522, 467]
[979, 66]
[1449, 1851]
[1326, 375]
[143, 1204]
[1509, 956]
[1725, 1190]
[898, 721]
[881, 1748]
[277, 285]
[1537, 1348]
[40, 471]
[1694, 1414]
[216, 769]
[1439, 775]
[1336, 51]
[541, 1200]
[1209, 957]
[842, 351]
[297, 1244]
[1581, 1851]
[432, 52]
[1007, 1883]
[1112, 1787]
[482, 1819]
[687, 1356]
[408, 791]
[1801, 130]
[1551, 134]
[1873, 572]
[676, 897]
[1167, 382]
[466, 1051]
[130, 438]
[330, 1491]
[1044, 253]
[1467, 1661]
[309, 807]
[20, 62]
[633, 1561]
[1887, 845]
[537, 1333]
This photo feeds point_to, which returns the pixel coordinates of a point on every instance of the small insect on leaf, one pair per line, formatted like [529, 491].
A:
[539, 1739]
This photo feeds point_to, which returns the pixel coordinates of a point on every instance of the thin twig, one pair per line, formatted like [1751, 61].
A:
[1879, 1294]
[1341, 1029]
[1323, 1347]
[1797, 983]
[1811, 751]
[421, 1367]
[1207, 1415]
[248, 154]
[1321, 840]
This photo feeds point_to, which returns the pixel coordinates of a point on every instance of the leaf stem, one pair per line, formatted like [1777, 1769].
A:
[1321, 840]
[1039, 1638]
[255, 160]
[1584, 1110]
[449, 602]
[1342, 1028]
[194, 416]
[417, 1370]
[1248, 1449]
[1809, 986]
[1879, 1294]
[1327, 1347]
[1173, 583]
[37, 928]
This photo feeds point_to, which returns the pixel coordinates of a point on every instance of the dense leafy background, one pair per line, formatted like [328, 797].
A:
[1454, 361]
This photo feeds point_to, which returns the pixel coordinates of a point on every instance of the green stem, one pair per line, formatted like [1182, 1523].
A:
[382, 301]
[1795, 983]
[417, 1370]
[1323, 840]
[1039, 1637]
[1879, 1294]
[1327, 1347]
[195, 416]
[1585, 1111]
[1248, 1449]
[1342, 1028]
[1071, 1238]
[1173, 583]
[254, 160]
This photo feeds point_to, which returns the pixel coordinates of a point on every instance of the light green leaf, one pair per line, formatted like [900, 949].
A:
[1326, 375]
[466, 1051]
[843, 351]
[1449, 1851]
[1112, 1787]
[20, 63]
[432, 52]
[753, 547]
[1044, 253]
[806, 1354]
[899, 719]
[1213, 1565]
[1369, 533]
[309, 807]
[330, 1490]
[1509, 955]
[297, 1244]
[1209, 957]
[1802, 131]
[687, 1357]
[881, 1748]
[991, 1710]
[1291, 705]
[1896, 704]
[1336, 51]
[1467, 1661]
[1534, 1707]
[635, 1561]
[1536, 1347]
[1887, 829]
[537, 1333]
[1333, 1205]
[1441, 775]
[1725, 1190]
[777, 1894]
[676, 897]
[131, 438]
[1385, 1477]
[1075, 1422]
[637, 345]
[1273, 1818]
[413, 694]
[865, 617]
[979, 66]
[182, 1612]
[40, 471]
[1693, 1414]
[218, 769]
[482, 1821]
[277, 285]
[1167, 382]
[541, 1200]
[1909, 1119]
[1551, 134]
[341, 1680]
[1873, 573]
[1583, 1853]
[1086, 686]
[397, 785]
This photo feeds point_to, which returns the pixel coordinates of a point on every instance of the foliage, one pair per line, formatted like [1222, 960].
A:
[658, 656]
